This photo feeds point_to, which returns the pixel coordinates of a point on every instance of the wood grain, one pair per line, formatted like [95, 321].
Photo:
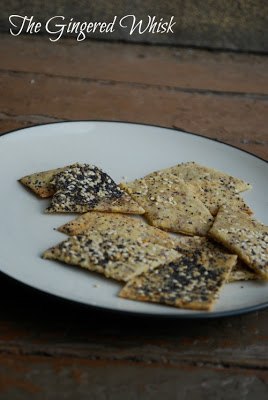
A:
[100, 81]
[236, 121]
[69, 378]
[216, 24]
[184, 69]
[47, 326]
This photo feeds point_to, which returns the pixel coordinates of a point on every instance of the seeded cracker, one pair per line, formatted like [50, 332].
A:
[191, 171]
[113, 223]
[214, 194]
[186, 245]
[194, 281]
[112, 255]
[82, 187]
[244, 235]
[212, 187]
[39, 182]
[170, 204]
[241, 272]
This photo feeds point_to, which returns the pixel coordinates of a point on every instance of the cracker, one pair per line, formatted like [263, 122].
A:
[240, 270]
[82, 187]
[194, 281]
[214, 194]
[191, 171]
[138, 229]
[170, 204]
[116, 223]
[39, 182]
[212, 187]
[114, 256]
[244, 235]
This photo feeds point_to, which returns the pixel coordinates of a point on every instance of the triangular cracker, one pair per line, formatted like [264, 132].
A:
[82, 187]
[244, 235]
[114, 256]
[212, 187]
[132, 228]
[39, 182]
[170, 204]
[194, 281]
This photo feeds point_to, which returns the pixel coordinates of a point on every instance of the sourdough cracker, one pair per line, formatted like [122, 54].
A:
[194, 281]
[170, 204]
[244, 235]
[116, 223]
[83, 187]
[114, 256]
[39, 182]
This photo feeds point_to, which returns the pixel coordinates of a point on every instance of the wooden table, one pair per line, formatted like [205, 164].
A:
[54, 349]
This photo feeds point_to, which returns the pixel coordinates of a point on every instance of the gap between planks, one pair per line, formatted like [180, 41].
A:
[136, 357]
[240, 95]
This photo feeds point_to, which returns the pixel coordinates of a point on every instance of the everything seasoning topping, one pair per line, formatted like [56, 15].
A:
[194, 281]
[243, 235]
[83, 187]
[114, 222]
[216, 193]
[212, 187]
[182, 271]
[113, 255]
[170, 204]
[187, 245]
[193, 172]
[39, 182]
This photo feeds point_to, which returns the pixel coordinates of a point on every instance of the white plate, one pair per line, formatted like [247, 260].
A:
[122, 150]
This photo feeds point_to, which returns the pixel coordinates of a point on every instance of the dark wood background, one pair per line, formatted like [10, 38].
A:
[215, 24]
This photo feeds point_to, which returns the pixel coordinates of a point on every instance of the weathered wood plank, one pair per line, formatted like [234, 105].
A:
[43, 325]
[150, 65]
[234, 120]
[193, 350]
[70, 378]
[239, 25]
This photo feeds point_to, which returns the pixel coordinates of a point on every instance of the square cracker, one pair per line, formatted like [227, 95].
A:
[113, 223]
[114, 256]
[170, 204]
[194, 281]
[244, 235]
[212, 187]
[39, 182]
[83, 187]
